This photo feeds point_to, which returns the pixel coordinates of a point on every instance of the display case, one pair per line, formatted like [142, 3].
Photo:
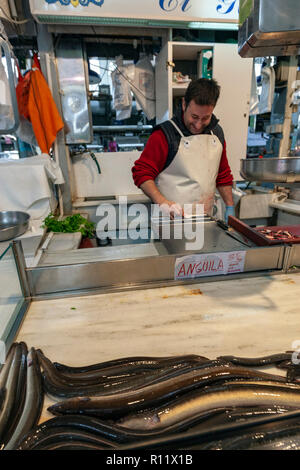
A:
[13, 296]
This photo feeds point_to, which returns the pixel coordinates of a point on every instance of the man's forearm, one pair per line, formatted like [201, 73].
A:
[170, 208]
[151, 190]
[226, 195]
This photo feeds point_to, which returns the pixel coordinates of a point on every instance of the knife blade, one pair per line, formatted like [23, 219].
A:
[234, 235]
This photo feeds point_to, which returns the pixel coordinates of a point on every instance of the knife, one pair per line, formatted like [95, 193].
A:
[234, 235]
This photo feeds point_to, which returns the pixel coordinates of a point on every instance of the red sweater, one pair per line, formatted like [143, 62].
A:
[153, 158]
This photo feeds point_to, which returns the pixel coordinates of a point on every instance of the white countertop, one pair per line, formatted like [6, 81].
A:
[245, 317]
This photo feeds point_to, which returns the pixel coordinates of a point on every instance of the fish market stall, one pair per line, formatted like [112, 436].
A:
[135, 344]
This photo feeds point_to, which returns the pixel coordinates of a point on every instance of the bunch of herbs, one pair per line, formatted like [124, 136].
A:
[70, 224]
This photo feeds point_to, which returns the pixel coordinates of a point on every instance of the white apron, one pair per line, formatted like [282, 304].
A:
[191, 176]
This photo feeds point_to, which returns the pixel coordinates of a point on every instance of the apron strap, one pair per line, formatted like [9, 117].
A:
[179, 131]
[176, 127]
[214, 137]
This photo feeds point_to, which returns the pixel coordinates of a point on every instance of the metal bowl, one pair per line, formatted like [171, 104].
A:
[13, 224]
[272, 170]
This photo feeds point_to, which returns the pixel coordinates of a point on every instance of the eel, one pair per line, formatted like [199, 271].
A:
[122, 403]
[33, 401]
[71, 445]
[6, 367]
[289, 442]
[111, 431]
[120, 435]
[2, 396]
[204, 438]
[268, 438]
[258, 361]
[125, 361]
[58, 387]
[232, 394]
[4, 374]
[55, 435]
[11, 387]
[20, 391]
[106, 382]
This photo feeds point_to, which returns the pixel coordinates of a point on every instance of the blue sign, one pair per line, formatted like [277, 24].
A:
[83, 3]
[170, 5]
[223, 7]
[226, 6]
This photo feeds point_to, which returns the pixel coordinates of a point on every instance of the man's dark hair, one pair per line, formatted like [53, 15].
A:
[204, 91]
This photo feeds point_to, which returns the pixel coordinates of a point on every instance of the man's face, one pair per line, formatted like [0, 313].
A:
[196, 117]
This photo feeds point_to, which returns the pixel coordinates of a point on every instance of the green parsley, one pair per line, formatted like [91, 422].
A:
[72, 223]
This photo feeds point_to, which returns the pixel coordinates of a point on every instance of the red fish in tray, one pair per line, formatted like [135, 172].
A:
[284, 235]
[263, 236]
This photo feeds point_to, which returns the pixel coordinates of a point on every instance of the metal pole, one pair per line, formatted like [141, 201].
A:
[21, 267]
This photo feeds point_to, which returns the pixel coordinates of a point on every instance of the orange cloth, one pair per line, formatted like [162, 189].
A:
[38, 106]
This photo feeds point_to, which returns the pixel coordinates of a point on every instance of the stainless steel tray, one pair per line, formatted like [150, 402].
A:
[214, 239]
[13, 224]
[273, 170]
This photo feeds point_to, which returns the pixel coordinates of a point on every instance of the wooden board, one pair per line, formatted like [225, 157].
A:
[260, 239]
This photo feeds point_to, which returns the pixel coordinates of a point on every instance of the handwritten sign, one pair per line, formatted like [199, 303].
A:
[209, 264]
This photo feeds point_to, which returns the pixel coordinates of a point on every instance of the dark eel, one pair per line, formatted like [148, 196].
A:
[129, 361]
[33, 401]
[6, 367]
[134, 400]
[286, 440]
[59, 387]
[4, 374]
[281, 361]
[110, 431]
[120, 435]
[2, 396]
[20, 391]
[55, 435]
[71, 445]
[257, 440]
[239, 393]
[192, 439]
[11, 387]
[106, 383]
[258, 361]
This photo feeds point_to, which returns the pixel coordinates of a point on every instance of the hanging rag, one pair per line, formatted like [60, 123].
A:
[143, 86]
[37, 105]
[268, 89]
[122, 98]
[254, 98]
[7, 120]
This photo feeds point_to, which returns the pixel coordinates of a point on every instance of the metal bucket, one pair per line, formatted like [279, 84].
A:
[13, 224]
[273, 170]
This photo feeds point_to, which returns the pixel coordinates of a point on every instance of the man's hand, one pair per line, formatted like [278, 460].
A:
[172, 209]
[169, 208]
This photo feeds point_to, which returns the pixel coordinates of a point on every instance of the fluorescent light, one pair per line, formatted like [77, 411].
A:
[211, 25]
[93, 20]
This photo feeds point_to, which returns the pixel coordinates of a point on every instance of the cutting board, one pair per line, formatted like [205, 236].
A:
[260, 239]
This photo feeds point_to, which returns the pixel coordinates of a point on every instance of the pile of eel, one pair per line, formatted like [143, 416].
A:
[176, 402]
[21, 395]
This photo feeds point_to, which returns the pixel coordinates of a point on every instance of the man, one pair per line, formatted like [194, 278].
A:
[185, 158]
